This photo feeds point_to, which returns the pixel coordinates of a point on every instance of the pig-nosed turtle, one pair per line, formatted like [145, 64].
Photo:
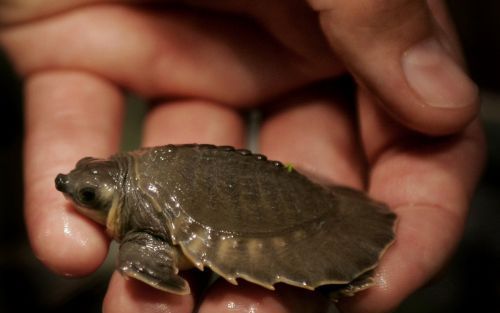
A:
[243, 216]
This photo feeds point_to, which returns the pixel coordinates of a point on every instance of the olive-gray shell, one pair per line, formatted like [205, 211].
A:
[244, 216]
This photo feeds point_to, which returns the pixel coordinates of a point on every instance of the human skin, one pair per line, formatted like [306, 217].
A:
[200, 65]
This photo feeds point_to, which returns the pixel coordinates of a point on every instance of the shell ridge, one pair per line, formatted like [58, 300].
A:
[243, 152]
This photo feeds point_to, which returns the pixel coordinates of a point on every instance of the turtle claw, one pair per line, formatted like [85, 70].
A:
[169, 282]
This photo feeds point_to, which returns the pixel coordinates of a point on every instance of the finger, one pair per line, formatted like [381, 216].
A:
[130, 295]
[176, 122]
[401, 51]
[193, 121]
[247, 297]
[429, 183]
[69, 115]
[313, 131]
[15, 11]
[179, 53]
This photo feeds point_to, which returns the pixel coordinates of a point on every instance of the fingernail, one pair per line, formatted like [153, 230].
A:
[436, 77]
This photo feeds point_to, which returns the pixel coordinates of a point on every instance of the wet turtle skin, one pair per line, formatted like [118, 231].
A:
[243, 216]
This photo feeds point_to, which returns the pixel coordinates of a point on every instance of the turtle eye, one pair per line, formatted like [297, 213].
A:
[87, 195]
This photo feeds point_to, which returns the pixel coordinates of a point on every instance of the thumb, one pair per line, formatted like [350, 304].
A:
[399, 52]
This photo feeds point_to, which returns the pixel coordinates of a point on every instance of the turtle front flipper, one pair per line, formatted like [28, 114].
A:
[151, 260]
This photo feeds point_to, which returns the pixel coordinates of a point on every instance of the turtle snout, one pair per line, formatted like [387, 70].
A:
[62, 183]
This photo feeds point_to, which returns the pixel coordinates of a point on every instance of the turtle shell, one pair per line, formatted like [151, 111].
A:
[244, 216]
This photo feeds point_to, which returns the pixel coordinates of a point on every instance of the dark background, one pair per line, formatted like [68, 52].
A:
[471, 283]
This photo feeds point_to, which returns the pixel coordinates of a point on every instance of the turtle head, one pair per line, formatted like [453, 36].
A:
[92, 186]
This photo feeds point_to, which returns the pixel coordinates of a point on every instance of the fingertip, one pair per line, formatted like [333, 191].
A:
[67, 243]
[129, 295]
[449, 97]
[69, 115]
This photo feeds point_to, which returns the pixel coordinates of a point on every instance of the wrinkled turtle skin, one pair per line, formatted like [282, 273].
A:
[243, 216]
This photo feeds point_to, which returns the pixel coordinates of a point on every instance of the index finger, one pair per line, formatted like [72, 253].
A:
[68, 115]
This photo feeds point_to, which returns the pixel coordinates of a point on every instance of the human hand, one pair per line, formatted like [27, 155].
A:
[77, 56]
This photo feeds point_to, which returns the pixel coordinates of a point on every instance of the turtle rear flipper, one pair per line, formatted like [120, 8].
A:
[151, 260]
[335, 292]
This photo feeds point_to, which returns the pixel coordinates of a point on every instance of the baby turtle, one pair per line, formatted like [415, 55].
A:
[243, 216]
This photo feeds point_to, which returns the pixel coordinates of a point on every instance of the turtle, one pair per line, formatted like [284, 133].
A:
[176, 207]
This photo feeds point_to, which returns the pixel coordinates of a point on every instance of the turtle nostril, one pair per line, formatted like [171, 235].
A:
[61, 182]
